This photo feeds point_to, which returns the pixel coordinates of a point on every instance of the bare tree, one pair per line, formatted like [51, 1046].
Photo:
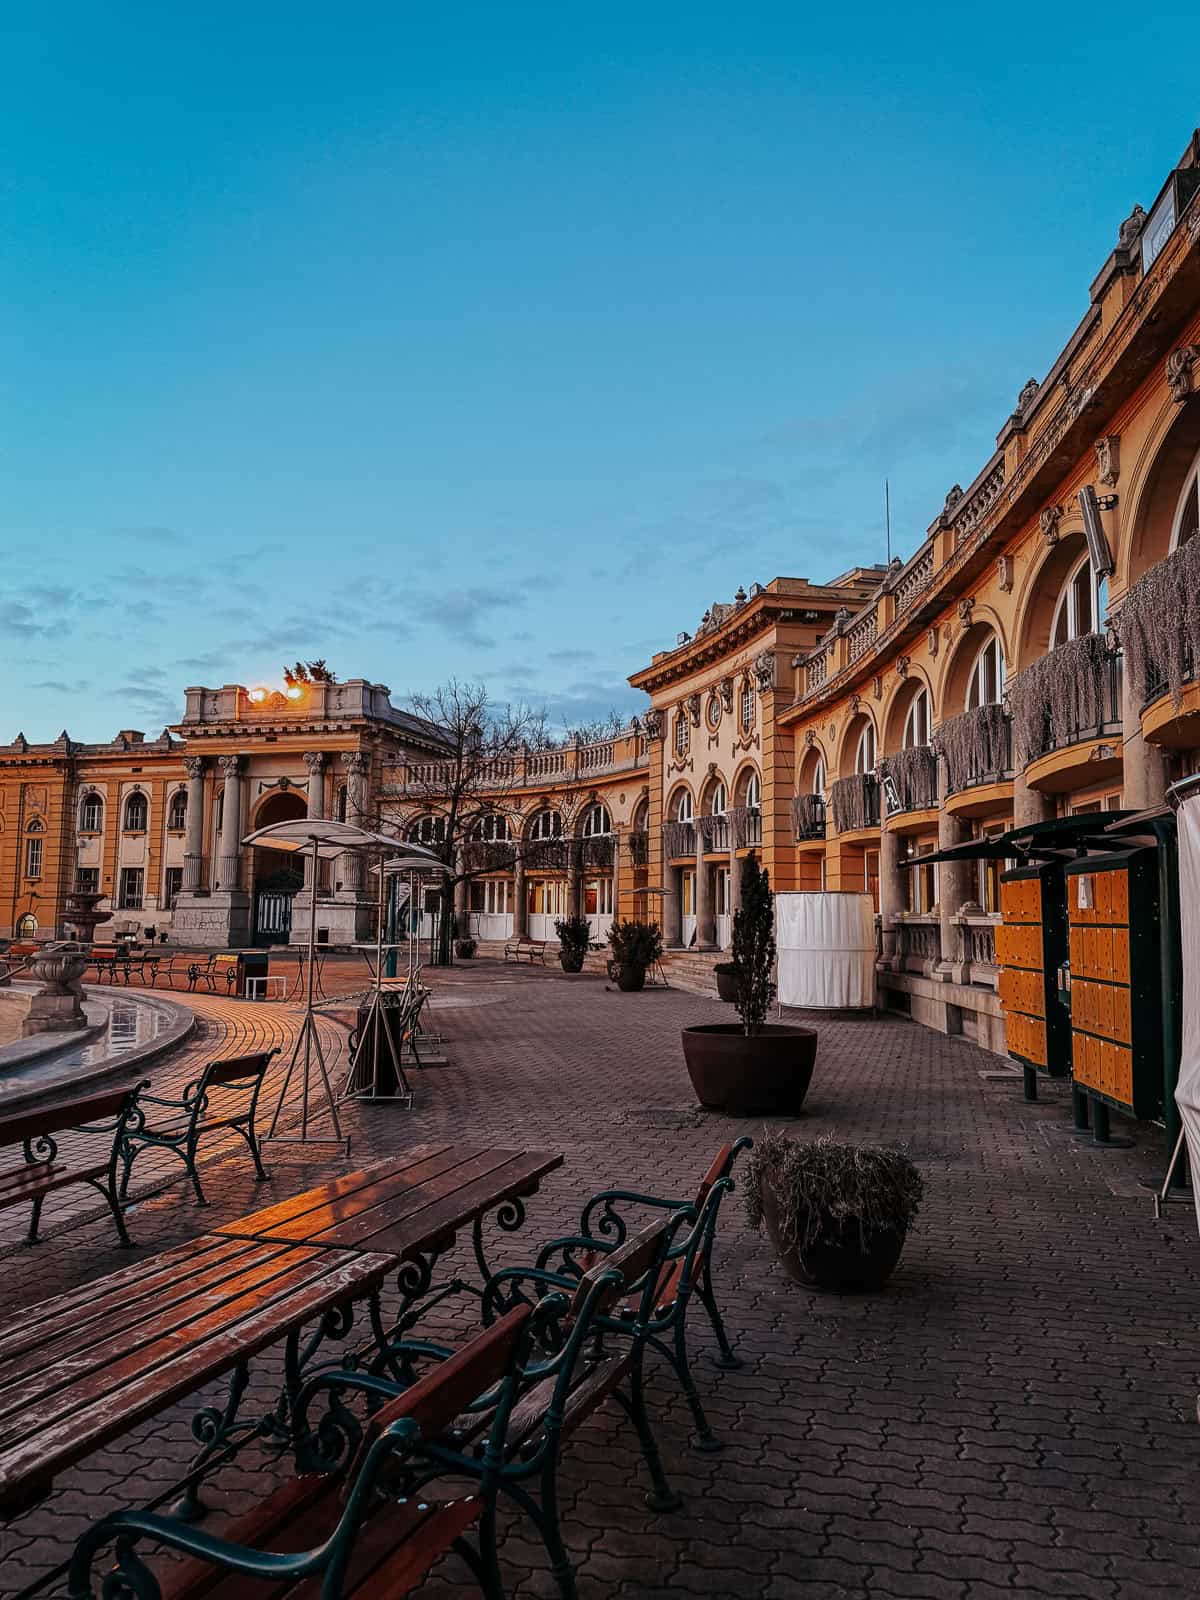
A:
[482, 766]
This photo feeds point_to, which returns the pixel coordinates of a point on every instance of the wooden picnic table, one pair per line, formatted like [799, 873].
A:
[85, 1367]
[409, 1207]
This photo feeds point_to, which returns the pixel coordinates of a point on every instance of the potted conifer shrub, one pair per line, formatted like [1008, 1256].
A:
[635, 948]
[574, 937]
[838, 1214]
[752, 1066]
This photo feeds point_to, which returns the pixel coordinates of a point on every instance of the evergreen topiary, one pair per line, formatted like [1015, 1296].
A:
[754, 946]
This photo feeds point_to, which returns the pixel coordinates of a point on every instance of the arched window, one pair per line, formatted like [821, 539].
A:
[747, 705]
[641, 817]
[177, 815]
[681, 734]
[752, 795]
[718, 802]
[986, 684]
[491, 828]
[546, 825]
[864, 752]
[136, 812]
[341, 804]
[916, 724]
[683, 806]
[597, 822]
[1082, 603]
[1187, 512]
[817, 786]
[91, 814]
[429, 830]
[27, 926]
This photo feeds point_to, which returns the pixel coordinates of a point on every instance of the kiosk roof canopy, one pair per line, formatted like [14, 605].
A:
[329, 838]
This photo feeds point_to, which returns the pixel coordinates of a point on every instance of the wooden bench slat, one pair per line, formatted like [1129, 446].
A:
[395, 1205]
[61, 1116]
[384, 1188]
[26, 1183]
[270, 1218]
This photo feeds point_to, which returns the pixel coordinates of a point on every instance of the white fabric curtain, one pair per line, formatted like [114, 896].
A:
[1187, 1091]
[826, 945]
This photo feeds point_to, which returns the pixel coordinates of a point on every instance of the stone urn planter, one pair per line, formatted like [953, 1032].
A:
[57, 1007]
[766, 1073]
[838, 1215]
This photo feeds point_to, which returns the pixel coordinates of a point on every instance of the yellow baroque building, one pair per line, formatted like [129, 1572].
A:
[1033, 658]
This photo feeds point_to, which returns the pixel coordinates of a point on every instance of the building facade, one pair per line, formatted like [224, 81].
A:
[1034, 658]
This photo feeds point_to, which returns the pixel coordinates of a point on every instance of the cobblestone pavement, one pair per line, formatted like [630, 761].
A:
[1015, 1415]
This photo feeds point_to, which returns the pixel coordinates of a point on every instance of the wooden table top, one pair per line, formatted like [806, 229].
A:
[405, 1205]
[83, 1368]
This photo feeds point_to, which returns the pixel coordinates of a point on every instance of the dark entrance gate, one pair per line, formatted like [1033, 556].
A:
[272, 916]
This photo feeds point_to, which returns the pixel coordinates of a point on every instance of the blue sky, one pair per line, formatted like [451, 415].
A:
[500, 341]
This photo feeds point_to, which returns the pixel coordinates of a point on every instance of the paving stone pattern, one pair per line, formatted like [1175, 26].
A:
[1015, 1415]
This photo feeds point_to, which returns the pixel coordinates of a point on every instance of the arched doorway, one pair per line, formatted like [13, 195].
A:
[277, 874]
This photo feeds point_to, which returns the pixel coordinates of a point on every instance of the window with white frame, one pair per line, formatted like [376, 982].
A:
[91, 814]
[1187, 513]
[985, 686]
[681, 734]
[130, 896]
[683, 806]
[597, 822]
[177, 813]
[753, 792]
[33, 857]
[718, 800]
[817, 785]
[491, 828]
[916, 723]
[546, 824]
[430, 830]
[1082, 603]
[136, 812]
[747, 708]
[864, 751]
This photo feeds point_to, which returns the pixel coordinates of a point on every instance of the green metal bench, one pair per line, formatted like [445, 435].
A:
[239, 1080]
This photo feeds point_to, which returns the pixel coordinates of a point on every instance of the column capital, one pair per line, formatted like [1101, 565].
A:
[356, 761]
[194, 766]
[315, 760]
[231, 766]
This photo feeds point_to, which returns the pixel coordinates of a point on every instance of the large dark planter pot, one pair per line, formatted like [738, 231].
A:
[726, 975]
[570, 963]
[464, 949]
[837, 1261]
[765, 1073]
[630, 979]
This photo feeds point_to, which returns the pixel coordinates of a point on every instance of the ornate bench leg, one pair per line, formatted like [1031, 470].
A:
[34, 1219]
[727, 1358]
[211, 1428]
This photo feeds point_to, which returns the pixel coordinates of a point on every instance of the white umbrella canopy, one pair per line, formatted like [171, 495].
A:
[411, 862]
[328, 838]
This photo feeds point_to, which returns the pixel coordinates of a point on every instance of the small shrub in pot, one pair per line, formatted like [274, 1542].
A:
[574, 937]
[464, 949]
[635, 947]
[838, 1214]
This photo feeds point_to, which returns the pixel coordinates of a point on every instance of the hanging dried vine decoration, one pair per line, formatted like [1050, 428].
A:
[1159, 624]
[808, 814]
[852, 801]
[974, 745]
[1058, 697]
[914, 772]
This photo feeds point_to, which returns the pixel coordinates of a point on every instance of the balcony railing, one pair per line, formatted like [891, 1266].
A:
[977, 748]
[564, 764]
[854, 802]
[714, 830]
[919, 943]
[1157, 684]
[745, 827]
[977, 949]
[909, 780]
[639, 847]
[596, 851]
[1066, 698]
[914, 579]
[808, 816]
[679, 839]
[861, 636]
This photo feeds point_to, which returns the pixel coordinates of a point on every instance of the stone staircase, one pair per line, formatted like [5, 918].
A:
[692, 970]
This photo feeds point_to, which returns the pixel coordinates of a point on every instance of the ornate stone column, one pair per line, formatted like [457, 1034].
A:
[231, 823]
[891, 890]
[706, 922]
[520, 906]
[953, 888]
[314, 760]
[1143, 778]
[350, 865]
[1029, 805]
[671, 924]
[193, 855]
[574, 879]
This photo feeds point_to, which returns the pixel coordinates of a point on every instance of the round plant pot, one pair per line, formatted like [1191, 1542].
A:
[840, 1260]
[726, 976]
[630, 978]
[464, 949]
[570, 963]
[765, 1073]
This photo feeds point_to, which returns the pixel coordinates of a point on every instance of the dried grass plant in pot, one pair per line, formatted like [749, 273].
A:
[838, 1214]
[751, 1066]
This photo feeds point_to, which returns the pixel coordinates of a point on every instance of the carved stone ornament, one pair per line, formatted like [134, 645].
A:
[764, 670]
[1130, 229]
[314, 760]
[1004, 573]
[692, 706]
[1108, 459]
[855, 703]
[1181, 372]
[652, 724]
[230, 765]
[194, 766]
[284, 784]
[1028, 393]
[355, 761]
[1048, 522]
[877, 686]
[952, 498]
[725, 690]
[810, 737]
[902, 665]
[932, 640]
[965, 607]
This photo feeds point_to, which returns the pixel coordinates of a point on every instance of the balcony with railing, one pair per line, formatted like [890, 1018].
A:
[976, 747]
[918, 943]
[854, 803]
[679, 840]
[714, 830]
[977, 949]
[566, 763]
[808, 817]
[909, 780]
[861, 636]
[1069, 697]
[1156, 683]
[745, 827]
[639, 847]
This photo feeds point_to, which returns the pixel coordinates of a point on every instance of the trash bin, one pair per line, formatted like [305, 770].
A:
[372, 1074]
[250, 964]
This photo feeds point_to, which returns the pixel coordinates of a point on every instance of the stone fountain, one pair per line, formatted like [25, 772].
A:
[81, 916]
[58, 1005]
